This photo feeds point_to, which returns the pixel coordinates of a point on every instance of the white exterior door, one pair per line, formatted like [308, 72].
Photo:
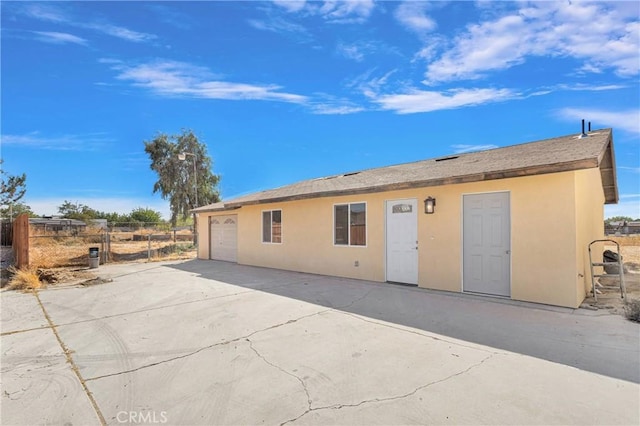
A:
[487, 243]
[224, 238]
[402, 241]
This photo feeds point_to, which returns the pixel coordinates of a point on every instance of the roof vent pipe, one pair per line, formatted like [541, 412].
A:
[583, 134]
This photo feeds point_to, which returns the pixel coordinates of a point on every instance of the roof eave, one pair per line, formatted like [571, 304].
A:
[503, 174]
[204, 209]
[607, 165]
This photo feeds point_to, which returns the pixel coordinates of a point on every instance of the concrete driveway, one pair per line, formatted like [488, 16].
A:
[204, 342]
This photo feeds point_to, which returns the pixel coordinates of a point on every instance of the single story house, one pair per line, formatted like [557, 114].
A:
[511, 222]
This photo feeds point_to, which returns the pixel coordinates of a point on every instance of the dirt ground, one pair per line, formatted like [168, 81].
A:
[609, 297]
[47, 259]
[51, 252]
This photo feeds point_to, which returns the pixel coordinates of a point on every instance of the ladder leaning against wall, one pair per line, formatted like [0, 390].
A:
[607, 264]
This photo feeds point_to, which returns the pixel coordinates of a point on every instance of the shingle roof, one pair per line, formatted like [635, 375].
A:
[559, 154]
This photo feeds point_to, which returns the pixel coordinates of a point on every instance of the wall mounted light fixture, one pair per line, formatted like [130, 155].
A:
[430, 205]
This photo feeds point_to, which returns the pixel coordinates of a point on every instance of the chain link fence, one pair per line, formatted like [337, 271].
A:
[122, 242]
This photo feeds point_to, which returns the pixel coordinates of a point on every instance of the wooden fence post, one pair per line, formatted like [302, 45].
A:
[21, 240]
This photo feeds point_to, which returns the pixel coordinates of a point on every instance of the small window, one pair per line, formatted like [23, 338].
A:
[350, 224]
[272, 226]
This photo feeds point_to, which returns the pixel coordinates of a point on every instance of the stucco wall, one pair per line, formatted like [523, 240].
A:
[590, 226]
[202, 226]
[544, 240]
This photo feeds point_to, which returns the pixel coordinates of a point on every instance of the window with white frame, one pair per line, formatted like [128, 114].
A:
[272, 226]
[350, 224]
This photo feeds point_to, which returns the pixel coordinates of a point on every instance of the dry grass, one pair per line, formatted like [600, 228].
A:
[629, 240]
[65, 251]
[51, 255]
[24, 279]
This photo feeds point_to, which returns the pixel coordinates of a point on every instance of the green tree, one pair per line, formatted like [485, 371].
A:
[12, 188]
[16, 209]
[77, 211]
[113, 217]
[145, 215]
[177, 181]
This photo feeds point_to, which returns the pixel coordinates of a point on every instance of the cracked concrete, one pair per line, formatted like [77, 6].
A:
[351, 354]
[385, 399]
[38, 387]
[216, 343]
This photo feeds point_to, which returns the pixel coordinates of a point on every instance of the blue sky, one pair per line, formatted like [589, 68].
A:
[284, 91]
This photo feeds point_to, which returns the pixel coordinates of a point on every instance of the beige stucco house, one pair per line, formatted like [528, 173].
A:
[511, 222]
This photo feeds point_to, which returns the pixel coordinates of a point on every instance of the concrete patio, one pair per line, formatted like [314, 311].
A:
[204, 342]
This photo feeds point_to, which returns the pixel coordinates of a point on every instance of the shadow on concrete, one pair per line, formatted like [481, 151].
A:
[593, 341]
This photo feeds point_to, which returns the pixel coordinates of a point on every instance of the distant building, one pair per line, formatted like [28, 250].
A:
[56, 225]
[622, 228]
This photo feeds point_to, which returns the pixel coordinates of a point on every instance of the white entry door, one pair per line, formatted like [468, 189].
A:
[487, 243]
[224, 238]
[402, 241]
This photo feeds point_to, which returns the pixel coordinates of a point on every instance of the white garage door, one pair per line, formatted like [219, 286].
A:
[224, 238]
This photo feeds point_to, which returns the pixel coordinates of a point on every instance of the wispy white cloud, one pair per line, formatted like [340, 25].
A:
[371, 86]
[333, 11]
[59, 38]
[330, 105]
[460, 149]
[415, 101]
[591, 87]
[632, 170]
[356, 51]
[279, 25]
[110, 61]
[45, 12]
[291, 5]
[172, 78]
[119, 32]
[68, 142]
[347, 11]
[58, 14]
[350, 51]
[326, 109]
[602, 35]
[489, 46]
[624, 120]
[134, 161]
[540, 91]
[413, 16]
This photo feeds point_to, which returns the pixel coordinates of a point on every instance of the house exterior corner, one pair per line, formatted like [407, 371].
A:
[551, 219]
[512, 222]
